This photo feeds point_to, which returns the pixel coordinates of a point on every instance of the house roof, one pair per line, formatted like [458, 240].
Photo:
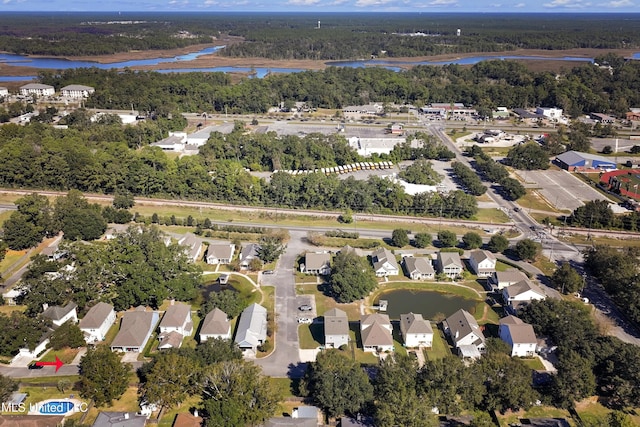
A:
[55, 312]
[370, 319]
[288, 421]
[521, 287]
[448, 258]
[376, 335]
[175, 316]
[36, 86]
[220, 250]
[78, 87]
[171, 339]
[249, 251]
[351, 422]
[381, 256]
[134, 328]
[521, 334]
[192, 242]
[187, 420]
[119, 419]
[479, 255]
[350, 249]
[421, 265]
[215, 323]
[310, 412]
[469, 350]
[576, 157]
[412, 323]
[510, 276]
[336, 322]
[96, 316]
[317, 261]
[252, 327]
[31, 420]
[461, 324]
[511, 320]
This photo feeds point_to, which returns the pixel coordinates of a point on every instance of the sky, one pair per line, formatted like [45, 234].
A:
[426, 6]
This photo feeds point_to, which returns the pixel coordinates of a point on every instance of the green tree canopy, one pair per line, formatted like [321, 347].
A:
[529, 156]
[567, 279]
[472, 240]
[351, 277]
[67, 335]
[170, 379]
[498, 243]
[420, 172]
[400, 237]
[103, 377]
[527, 250]
[447, 239]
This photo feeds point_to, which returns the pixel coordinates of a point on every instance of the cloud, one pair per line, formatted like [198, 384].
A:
[567, 4]
[303, 2]
[367, 3]
[519, 5]
[620, 3]
[443, 2]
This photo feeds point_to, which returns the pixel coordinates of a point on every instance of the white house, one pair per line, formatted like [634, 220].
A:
[550, 112]
[483, 263]
[136, 328]
[450, 264]
[519, 335]
[96, 323]
[252, 328]
[37, 89]
[219, 253]
[521, 294]
[175, 325]
[501, 279]
[376, 332]
[384, 263]
[336, 328]
[318, 263]
[418, 268]
[4, 92]
[192, 246]
[248, 253]
[416, 331]
[465, 333]
[59, 315]
[77, 91]
[215, 325]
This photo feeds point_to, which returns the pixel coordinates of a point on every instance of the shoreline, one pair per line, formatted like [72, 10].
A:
[214, 60]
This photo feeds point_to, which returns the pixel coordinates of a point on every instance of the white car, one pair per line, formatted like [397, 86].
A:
[305, 320]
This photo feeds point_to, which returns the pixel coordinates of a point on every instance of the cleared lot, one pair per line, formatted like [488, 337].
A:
[561, 188]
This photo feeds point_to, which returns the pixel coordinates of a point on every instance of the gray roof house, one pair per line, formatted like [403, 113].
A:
[248, 253]
[483, 263]
[219, 253]
[193, 246]
[416, 331]
[418, 268]
[520, 294]
[465, 333]
[252, 328]
[96, 323]
[384, 263]
[37, 89]
[77, 91]
[215, 325]
[336, 328]
[120, 419]
[59, 315]
[375, 331]
[175, 325]
[450, 264]
[135, 330]
[317, 263]
[501, 279]
[519, 336]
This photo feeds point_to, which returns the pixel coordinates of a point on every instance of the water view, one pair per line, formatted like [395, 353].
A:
[430, 304]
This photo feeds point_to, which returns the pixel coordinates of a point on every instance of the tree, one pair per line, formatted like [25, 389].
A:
[527, 250]
[271, 247]
[77, 218]
[575, 379]
[216, 350]
[420, 172]
[567, 279]
[351, 277]
[498, 243]
[236, 394]
[67, 335]
[230, 301]
[170, 380]
[255, 264]
[529, 156]
[20, 233]
[7, 387]
[593, 214]
[447, 239]
[422, 240]
[337, 384]
[512, 188]
[123, 200]
[20, 331]
[400, 237]
[472, 240]
[103, 377]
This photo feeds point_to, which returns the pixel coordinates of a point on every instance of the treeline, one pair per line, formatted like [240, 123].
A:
[486, 85]
[598, 214]
[511, 188]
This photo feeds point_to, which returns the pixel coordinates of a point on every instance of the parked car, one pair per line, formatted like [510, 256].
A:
[305, 320]
[33, 365]
[267, 272]
[305, 307]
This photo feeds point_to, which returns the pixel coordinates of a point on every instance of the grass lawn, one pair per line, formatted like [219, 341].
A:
[534, 363]
[440, 348]
[491, 215]
[311, 336]
[501, 266]
[534, 412]
[590, 410]
[65, 354]
[324, 303]
[546, 266]
[533, 200]
[284, 386]
[306, 279]
[338, 242]
[10, 258]
[128, 402]
[597, 240]
[355, 346]
[8, 309]
[113, 331]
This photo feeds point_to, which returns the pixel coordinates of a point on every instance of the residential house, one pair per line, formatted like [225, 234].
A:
[450, 264]
[10, 296]
[77, 91]
[519, 335]
[215, 325]
[185, 419]
[384, 263]
[193, 246]
[483, 263]
[4, 92]
[136, 328]
[219, 253]
[119, 419]
[59, 315]
[416, 331]
[96, 323]
[336, 328]
[376, 332]
[520, 294]
[176, 141]
[465, 333]
[252, 328]
[318, 263]
[418, 268]
[351, 250]
[248, 253]
[290, 422]
[37, 89]
[175, 325]
[501, 279]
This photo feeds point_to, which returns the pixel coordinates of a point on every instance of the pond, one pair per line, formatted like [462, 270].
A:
[430, 304]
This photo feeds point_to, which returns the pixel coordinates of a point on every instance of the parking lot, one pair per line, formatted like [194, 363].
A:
[560, 188]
